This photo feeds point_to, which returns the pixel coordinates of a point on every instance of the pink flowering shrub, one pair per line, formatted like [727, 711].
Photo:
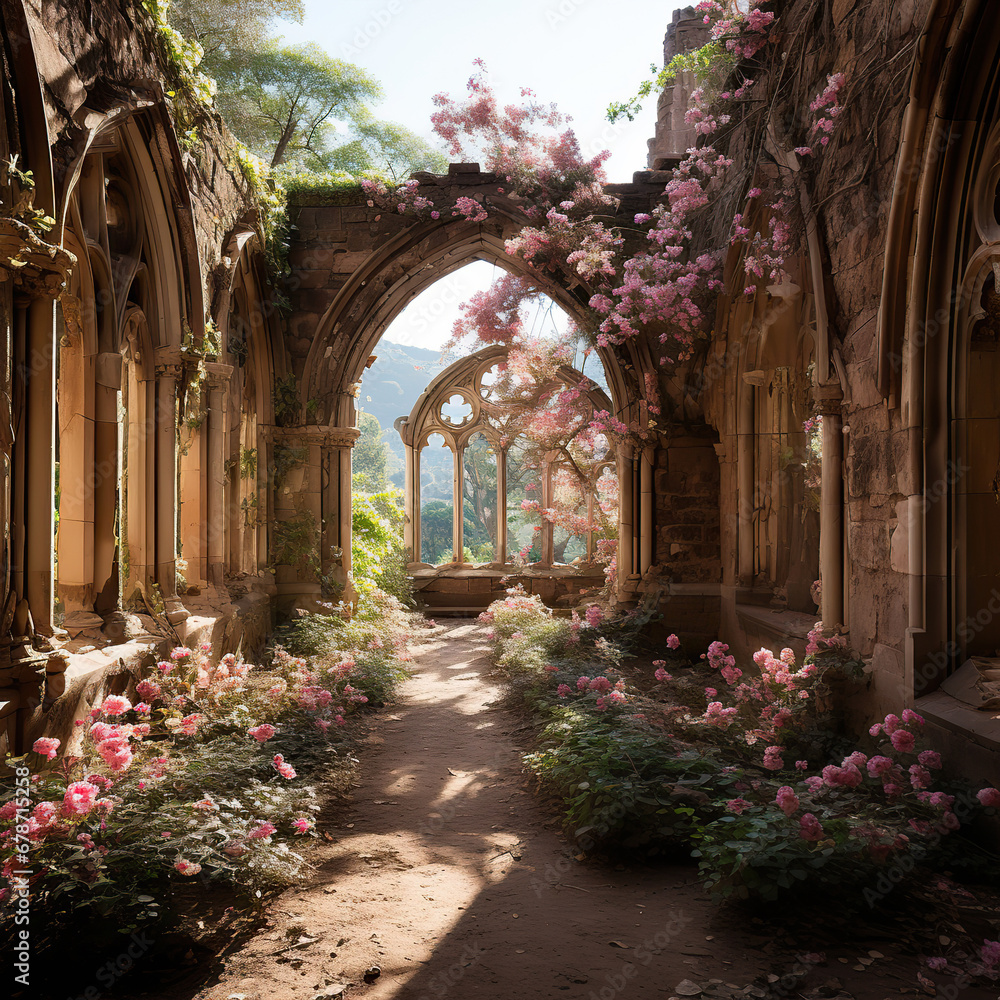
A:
[775, 698]
[207, 779]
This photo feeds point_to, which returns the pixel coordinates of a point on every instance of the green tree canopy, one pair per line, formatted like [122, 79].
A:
[226, 29]
[370, 457]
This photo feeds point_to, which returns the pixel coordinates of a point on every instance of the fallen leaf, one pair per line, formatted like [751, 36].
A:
[686, 988]
[618, 944]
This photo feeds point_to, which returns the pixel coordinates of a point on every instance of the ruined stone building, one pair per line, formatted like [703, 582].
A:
[203, 430]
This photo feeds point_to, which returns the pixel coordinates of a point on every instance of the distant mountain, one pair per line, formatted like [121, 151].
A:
[389, 390]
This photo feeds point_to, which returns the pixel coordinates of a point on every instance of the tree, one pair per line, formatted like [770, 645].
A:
[371, 455]
[228, 29]
[436, 532]
[295, 105]
[387, 148]
[288, 102]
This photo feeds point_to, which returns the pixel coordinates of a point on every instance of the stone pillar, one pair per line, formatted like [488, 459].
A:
[337, 446]
[78, 477]
[746, 497]
[626, 525]
[831, 536]
[219, 379]
[106, 473]
[458, 504]
[193, 487]
[40, 383]
[165, 497]
[645, 533]
[501, 547]
[548, 530]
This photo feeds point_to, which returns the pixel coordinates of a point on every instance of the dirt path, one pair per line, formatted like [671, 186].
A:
[450, 877]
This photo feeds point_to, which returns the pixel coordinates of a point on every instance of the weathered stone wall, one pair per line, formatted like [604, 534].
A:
[101, 56]
[850, 185]
[688, 510]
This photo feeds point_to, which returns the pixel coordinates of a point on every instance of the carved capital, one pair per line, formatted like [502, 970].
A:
[38, 269]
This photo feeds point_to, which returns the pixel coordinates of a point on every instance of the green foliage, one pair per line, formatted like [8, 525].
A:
[437, 537]
[284, 460]
[226, 28]
[377, 552]
[710, 64]
[635, 772]
[296, 541]
[288, 103]
[620, 784]
[307, 187]
[248, 463]
[183, 55]
[285, 396]
[370, 457]
[374, 631]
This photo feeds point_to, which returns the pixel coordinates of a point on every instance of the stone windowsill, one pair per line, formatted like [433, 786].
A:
[948, 712]
[421, 571]
[778, 624]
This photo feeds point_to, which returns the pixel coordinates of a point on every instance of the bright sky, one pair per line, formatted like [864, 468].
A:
[580, 54]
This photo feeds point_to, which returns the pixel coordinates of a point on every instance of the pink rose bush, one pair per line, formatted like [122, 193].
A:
[733, 779]
[195, 779]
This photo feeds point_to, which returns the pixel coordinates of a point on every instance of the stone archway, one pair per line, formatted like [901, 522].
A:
[355, 268]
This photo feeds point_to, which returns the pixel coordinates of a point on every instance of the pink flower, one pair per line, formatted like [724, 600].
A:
[180, 653]
[582, 683]
[878, 766]
[285, 770]
[990, 953]
[930, 758]
[772, 759]
[920, 777]
[673, 642]
[187, 867]
[786, 800]
[989, 797]
[46, 745]
[148, 690]
[80, 798]
[662, 676]
[302, 825]
[164, 666]
[115, 704]
[143, 709]
[190, 723]
[563, 690]
[802, 765]
[263, 732]
[261, 831]
[810, 828]
[737, 805]
[902, 741]
[909, 716]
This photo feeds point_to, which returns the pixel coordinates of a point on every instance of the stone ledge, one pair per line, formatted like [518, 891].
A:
[975, 725]
[780, 624]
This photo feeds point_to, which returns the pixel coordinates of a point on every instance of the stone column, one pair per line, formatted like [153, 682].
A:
[645, 533]
[106, 474]
[831, 530]
[219, 380]
[548, 529]
[458, 504]
[746, 499]
[338, 443]
[40, 383]
[626, 528]
[165, 506]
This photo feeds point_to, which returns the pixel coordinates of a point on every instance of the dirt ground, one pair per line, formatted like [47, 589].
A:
[446, 876]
